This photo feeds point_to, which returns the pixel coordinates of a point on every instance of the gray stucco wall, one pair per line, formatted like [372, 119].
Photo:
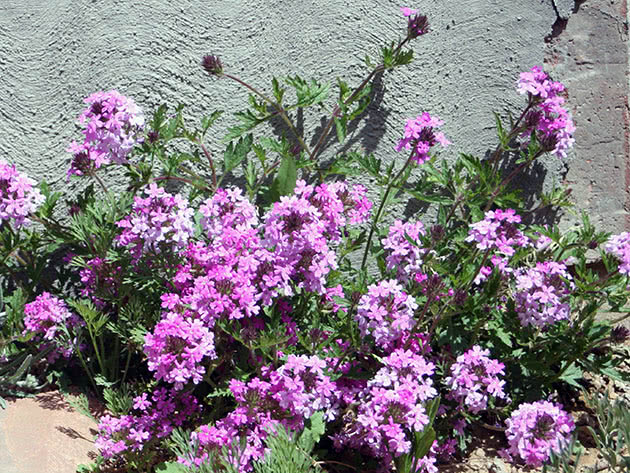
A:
[55, 52]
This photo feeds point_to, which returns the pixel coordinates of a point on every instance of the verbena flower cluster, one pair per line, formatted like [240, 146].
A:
[154, 419]
[421, 135]
[284, 397]
[391, 404]
[386, 312]
[402, 255]
[474, 379]
[536, 429]
[46, 318]
[619, 246]
[112, 125]
[158, 221]
[541, 294]
[552, 123]
[498, 233]
[18, 196]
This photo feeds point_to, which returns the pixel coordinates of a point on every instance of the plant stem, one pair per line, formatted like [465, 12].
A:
[278, 108]
[379, 212]
[211, 162]
[337, 109]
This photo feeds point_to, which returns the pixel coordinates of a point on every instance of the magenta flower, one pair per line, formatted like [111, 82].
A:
[552, 123]
[619, 246]
[537, 429]
[18, 196]
[420, 136]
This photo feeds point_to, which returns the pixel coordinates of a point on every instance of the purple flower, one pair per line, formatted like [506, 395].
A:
[18, 196]
[541, 293]
[386, 313]
[402, 255]
[537, 429]
[420, 136]
[551, 122]
[474, 378]
[619, 246]
[48, 319]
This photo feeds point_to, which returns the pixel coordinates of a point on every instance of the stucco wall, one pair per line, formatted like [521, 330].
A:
[55, 52]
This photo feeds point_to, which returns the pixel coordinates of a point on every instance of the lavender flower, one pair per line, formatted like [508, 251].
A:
[537, 429]
[18, 196]
[420, 135]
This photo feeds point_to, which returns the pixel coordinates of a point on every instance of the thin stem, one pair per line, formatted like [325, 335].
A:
[337, 109]
[100, 182]
[380, 211]
[508, 179]
[211, 162]
[278, 108]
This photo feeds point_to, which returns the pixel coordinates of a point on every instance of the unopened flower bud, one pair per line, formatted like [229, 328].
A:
[549, 142]
[417, 25]
[212, 65]
[153, 136]
[437, 232]
[619, 334]
[532, 119]
[592, 245]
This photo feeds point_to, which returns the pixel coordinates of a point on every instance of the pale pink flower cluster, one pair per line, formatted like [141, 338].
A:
[158, 221]
[403, 256]
[386, 312]
[18, 196]
[541, 294]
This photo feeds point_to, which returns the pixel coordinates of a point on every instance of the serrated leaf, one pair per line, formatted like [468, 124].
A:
[171, 467]
[234, 155]
[308, 93]
[341, 125]
[207, 122]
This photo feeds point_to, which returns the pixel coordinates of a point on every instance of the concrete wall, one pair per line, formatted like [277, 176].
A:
[55, 52]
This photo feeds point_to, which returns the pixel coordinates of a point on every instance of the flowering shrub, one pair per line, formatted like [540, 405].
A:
[223, 323]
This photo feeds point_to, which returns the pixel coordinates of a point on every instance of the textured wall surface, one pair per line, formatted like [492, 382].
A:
[55, 52]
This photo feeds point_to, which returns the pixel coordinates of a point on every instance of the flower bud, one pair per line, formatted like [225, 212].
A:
[417, 25]
[212, 65]
[437, 232]
[619, 334]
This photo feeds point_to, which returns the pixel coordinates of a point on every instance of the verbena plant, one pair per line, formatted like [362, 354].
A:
[239, 315]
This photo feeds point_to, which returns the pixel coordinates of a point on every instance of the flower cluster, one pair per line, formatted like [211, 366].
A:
[619, 246]
[48, 319]
[159, 221]
[541, 294]
[155, 419]
[297, 231]
[112, 124]
[536, 429]
[227, 208]
[402, 255]
[420, 136]
[286, 396]
[18, 197]
[390, 406]
[176, 349]
[552, 122]
[474, 378]
[386, 312]
[417, 25]
[498, 232]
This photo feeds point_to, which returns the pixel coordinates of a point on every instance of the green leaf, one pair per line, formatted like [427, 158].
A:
[249, 121]
[314, 428]
[285, 180]
[341, 124]
[572, 375]
[207, 122]
[234, 155]
[278, 92]
[171, 467]
[308, 93]
[423, 442]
